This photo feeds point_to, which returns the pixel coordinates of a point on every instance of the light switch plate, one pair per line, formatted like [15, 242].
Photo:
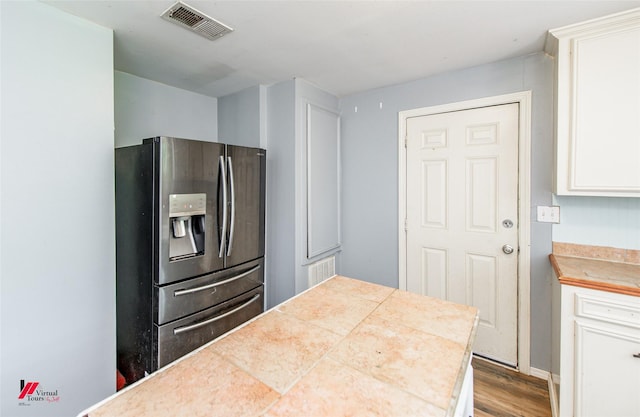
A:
[548, 214]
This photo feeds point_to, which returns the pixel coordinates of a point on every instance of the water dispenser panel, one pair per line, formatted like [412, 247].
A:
[187, 204]
[187, 215]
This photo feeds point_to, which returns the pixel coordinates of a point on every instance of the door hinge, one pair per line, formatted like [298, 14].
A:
[405, 141]
[406, 227]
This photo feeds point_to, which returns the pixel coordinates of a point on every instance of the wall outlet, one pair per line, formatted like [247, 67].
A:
[548, 214]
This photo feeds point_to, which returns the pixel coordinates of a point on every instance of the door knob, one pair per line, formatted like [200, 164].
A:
[508, 249]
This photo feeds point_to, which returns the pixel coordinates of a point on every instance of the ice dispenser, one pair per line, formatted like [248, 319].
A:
[187, 222]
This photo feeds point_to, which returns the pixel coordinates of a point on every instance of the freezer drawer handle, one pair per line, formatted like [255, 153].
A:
[213, 319]
[215, 284]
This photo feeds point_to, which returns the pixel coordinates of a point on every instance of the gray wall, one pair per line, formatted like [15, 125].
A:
[599, 221]
[370, 172]
[281, 232]
[145, 108]
[240, 120]
[57, 269]
[286, 185]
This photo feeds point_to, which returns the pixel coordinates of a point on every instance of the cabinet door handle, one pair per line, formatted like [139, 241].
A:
[636, 355]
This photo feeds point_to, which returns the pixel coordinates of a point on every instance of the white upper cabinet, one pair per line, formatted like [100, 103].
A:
[598, 106]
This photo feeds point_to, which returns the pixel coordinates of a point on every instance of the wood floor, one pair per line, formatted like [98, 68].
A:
[501, 392]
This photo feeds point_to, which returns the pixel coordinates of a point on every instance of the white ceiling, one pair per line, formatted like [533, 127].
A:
[341, 46]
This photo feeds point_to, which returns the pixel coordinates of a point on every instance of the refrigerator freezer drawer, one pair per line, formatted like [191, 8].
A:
[182, 336]
[190, 296]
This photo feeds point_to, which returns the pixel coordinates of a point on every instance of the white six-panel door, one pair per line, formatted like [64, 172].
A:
[462, 217]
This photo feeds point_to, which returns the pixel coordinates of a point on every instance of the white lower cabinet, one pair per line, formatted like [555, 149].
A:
[464, 408]
[600, 334]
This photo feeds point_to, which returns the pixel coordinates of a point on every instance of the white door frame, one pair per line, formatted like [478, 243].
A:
[524, 208]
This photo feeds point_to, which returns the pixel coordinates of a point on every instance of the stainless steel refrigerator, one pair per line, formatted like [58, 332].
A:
[189, 247]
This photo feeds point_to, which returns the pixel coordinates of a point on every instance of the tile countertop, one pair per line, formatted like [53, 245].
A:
[600, 268]
[344, 347]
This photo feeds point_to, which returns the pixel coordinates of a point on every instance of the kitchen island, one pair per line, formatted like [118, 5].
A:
[343, 347]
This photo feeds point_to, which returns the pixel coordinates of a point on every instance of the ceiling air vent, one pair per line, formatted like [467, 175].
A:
[195, 21]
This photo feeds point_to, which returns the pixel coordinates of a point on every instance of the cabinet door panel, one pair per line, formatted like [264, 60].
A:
[607, 376]
[598, 106]
[606, 116]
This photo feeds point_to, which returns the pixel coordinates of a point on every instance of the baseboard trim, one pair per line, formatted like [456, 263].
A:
[553, 396]
[539, 373]
[550, 378]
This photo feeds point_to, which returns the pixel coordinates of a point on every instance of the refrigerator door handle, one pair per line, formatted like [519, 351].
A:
[216, 318]
[233, 207]
[223, 182]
